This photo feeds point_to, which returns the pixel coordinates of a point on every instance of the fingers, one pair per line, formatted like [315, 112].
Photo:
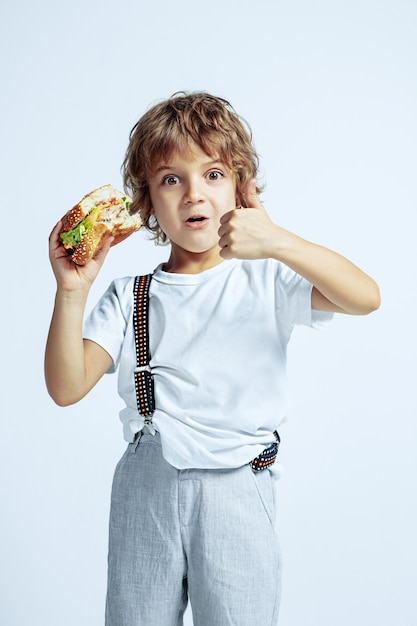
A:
[56, 249]
[229, 230]
[55, 232]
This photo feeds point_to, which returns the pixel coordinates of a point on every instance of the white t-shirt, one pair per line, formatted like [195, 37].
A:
[218, 343]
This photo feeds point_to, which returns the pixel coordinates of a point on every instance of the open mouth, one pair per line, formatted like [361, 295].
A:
[196, 219]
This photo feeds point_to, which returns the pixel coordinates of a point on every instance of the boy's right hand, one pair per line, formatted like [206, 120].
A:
[69, 276]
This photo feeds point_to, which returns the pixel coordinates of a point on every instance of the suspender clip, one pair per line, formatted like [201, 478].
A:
[149, 426]
[143, 368]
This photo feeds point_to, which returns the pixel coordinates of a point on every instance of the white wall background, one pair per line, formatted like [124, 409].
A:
[330, 90]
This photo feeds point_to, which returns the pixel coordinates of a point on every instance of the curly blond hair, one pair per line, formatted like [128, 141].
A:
[173, 125]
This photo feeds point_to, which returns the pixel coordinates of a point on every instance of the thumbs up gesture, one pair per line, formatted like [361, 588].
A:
[247, 233]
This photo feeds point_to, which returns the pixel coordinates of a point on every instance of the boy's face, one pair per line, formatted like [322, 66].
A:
[189, 195]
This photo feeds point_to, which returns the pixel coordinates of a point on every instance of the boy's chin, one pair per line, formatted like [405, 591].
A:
[213, 250]
[197, 250]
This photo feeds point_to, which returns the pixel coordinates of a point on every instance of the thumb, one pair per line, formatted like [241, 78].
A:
[251, 196]
[103, 249]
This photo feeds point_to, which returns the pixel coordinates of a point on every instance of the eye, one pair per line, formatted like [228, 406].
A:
[214, 175]
[170, 180]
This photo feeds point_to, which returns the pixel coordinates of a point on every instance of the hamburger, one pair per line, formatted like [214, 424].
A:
[102, 213]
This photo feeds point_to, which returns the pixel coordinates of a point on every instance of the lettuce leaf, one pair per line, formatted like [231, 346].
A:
[73, 237]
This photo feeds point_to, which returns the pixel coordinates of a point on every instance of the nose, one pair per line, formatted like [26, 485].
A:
[194, 192]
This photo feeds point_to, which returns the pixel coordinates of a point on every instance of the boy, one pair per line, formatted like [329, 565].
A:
[190, 516]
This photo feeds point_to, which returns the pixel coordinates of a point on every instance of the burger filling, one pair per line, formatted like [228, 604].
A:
[72, 238]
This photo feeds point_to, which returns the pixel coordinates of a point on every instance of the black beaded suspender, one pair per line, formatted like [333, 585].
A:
[142, 372]
[143, 376]
[267, 456]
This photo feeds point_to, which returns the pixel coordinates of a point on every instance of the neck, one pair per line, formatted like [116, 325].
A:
[184, 262]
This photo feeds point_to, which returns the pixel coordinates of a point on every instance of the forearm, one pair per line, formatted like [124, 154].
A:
[336, 278]
[65, 370]
[339, 285]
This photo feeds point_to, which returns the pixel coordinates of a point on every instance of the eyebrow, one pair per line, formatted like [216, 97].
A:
[167, 166]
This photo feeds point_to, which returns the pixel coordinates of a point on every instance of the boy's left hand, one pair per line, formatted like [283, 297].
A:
[247, 233]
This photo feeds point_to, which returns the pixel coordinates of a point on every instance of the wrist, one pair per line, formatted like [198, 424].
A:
[283, 245]
[72, 296]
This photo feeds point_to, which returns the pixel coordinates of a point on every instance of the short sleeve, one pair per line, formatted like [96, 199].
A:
[293, 300]
[106, 323]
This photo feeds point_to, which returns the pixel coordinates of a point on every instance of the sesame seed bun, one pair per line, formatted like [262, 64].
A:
[108, 209]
